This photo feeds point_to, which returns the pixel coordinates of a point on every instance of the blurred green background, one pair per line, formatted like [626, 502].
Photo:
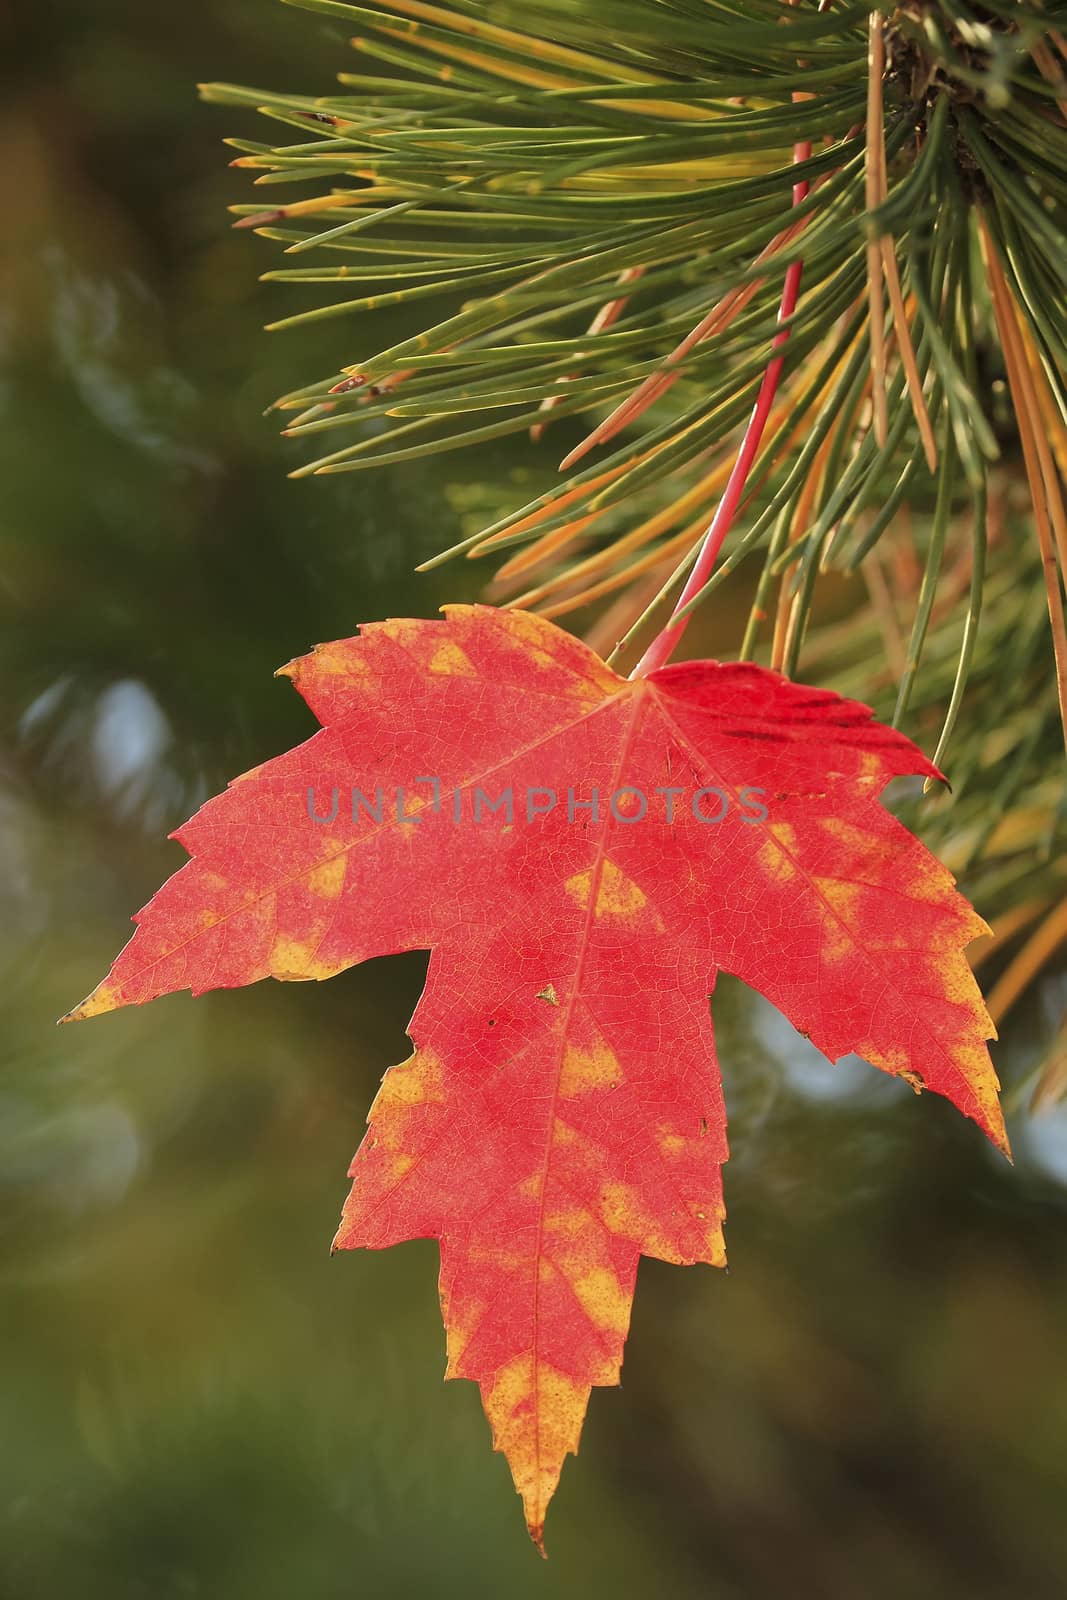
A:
[195, 1399]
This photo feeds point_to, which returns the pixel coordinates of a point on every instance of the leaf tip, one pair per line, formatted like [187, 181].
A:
[103, 998]
[997, 1134]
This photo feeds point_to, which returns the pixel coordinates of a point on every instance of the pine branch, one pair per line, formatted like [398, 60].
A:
[598, 203]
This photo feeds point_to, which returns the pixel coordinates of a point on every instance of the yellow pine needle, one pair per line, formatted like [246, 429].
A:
[1035, 379]
[1051, 414]
[545, 546]
[595, 563]
[526, 46]
[538, 78]
[523, 44]
[512, 72]
[803, 424]
[559, 503]
[657, 383]
[609, 313]
[907, 351]
[299, 208]
[711, 484]
[669, 110]
[1034, 448]
[874, 168]
[701, 492]
[681, 543]
[672, 172]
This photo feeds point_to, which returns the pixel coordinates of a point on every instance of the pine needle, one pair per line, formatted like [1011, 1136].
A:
[875, 188]
[1031, 437]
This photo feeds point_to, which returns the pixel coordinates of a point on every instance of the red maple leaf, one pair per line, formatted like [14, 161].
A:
[562, 1113]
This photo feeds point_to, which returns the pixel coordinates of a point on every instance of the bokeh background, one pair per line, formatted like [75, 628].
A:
[195, 1400]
